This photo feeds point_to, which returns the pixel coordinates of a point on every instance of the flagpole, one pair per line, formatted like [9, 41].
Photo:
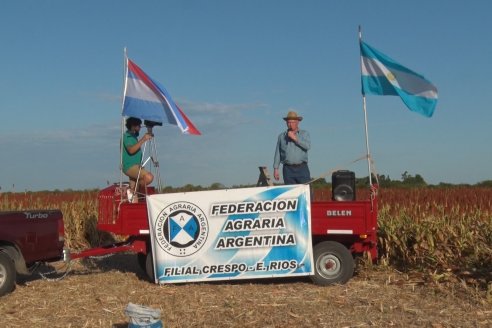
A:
[368, 153]
[125, 68]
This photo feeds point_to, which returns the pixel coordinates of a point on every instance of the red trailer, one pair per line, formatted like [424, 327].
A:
[341, 230]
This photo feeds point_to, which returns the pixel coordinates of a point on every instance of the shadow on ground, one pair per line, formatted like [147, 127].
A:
[123, 262]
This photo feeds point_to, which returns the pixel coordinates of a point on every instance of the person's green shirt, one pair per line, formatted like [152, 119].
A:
[129, 139]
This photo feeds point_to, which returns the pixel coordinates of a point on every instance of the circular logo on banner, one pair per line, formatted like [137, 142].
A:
[181, 229]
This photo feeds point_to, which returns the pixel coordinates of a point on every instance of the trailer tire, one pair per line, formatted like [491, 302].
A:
[149, 266]
[333, 264]
[142, 261]
[7, 274]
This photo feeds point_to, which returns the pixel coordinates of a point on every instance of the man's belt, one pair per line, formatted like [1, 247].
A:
[295, 165]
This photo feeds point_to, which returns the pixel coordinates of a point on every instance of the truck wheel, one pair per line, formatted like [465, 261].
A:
[333, 264]
[149, 266]
[7, 274]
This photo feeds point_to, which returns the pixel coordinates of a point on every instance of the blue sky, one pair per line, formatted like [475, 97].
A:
[236, 68]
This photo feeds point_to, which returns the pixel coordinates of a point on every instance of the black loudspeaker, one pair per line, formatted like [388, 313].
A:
[343, 186]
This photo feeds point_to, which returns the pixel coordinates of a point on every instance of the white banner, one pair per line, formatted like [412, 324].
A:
[231, 234]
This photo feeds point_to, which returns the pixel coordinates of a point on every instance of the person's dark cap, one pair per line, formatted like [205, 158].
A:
[133, 121]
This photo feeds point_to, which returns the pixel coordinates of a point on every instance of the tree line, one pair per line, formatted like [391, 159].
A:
[407, 181]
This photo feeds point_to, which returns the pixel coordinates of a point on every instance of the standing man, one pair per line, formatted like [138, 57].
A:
[132, 156]
[291, 151]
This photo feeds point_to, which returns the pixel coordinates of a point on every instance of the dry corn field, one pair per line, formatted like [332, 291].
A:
[435, 270]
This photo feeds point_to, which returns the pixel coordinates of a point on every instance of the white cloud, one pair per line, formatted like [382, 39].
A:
[109, 97]
[219, 108]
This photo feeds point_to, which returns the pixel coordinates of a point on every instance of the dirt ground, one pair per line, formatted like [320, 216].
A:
[95, 295]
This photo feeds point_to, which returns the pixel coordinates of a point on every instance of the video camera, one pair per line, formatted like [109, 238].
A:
[150, 124]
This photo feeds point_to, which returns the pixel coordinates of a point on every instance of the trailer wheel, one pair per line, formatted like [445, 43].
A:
[149, 266]
[333, 264]
[7, 274]
[142, 261]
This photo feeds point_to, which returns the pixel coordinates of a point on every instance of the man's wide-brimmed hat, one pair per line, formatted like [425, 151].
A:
[292, 116]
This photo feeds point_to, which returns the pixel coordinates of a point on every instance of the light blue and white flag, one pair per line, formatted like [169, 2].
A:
[382, 75]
